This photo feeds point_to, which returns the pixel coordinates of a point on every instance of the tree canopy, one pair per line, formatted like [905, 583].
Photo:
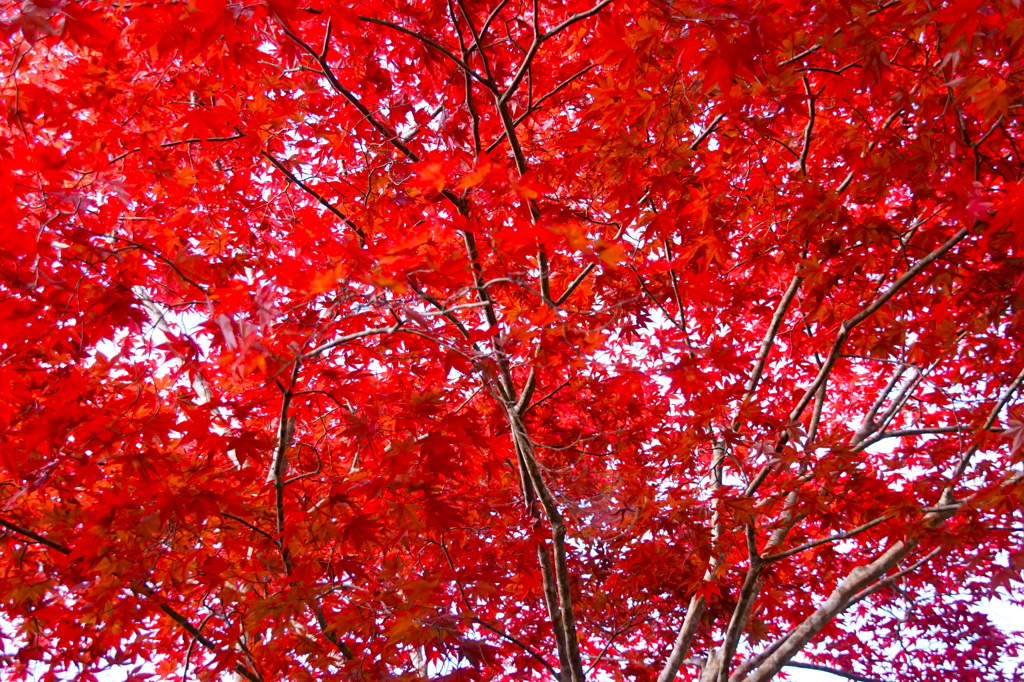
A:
[510, 339]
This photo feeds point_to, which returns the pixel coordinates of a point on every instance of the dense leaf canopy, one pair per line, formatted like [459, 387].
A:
[510, 339]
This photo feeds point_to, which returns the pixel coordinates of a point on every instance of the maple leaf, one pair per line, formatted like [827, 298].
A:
[1015, 432]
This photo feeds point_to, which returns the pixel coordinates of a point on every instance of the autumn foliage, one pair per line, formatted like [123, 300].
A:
[510, 339]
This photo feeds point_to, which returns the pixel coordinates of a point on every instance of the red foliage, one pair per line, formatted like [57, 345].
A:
[491, 340]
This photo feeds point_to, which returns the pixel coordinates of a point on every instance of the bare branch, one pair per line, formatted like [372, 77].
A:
[664, 311]
[817, 46]
[248, 525]
[848, 180]
[166, 608]
[285, 433]
[997, 408]
[331, 635]
[390, 135]
[833, 671]
[448, 315]
[891, 579]
[352, 337]
[547, 572]
[584, 274]
[187, 626]
[706, 132]
[946, 501]
[176, 143]
[316, 195]
[524, 66]
[694, 613]
[769, 338]
[819, 406]
[718, 662]
[867, 424]
[903, 433]
[848, 325]
[684, 639]
[488, 21]
[561, 565]
[824, 541]
[576, 17]
[809, 128]
[202, 639]
[553, 392]
[525, 647]
[483, 623]
[466, 68]
[478, 36]
[536, 105]
[794, 641]
[527, 393]
[156, 254]
[36, 537]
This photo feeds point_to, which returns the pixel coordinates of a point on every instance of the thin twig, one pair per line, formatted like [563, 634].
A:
[706, 132]
[549, 395]
[848, 325]
[316, 195]
[769, 338]
[575, 18]
[466, 68]
[248, 525]
[352, 337]
[850, 675]
[824, 541]
[809, 128]
[32, 535]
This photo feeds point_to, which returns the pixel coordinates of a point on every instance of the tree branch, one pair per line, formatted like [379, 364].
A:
[558, 530]
[389, 135]
[706, 132]
[536, 105]
[316, 195]
[794, 641]
[891, 579]
[681, 647]
[574, 18]
[285, 433]
[248, 525]
[824, 541]
[769, 338]
[717, 667]
[993, 415]
[351, 337]
[547, 572]
[486, 82]
[481, 622]
[833, 671]
[332, 637]
[903, 433]
[36, 537]
[867, 424]
[584, 273]
[156, 254]
[447, 313]
[166, 608]
[809, 128]
[848, 325]
[662, 308]
[695, 611]
[176, 143]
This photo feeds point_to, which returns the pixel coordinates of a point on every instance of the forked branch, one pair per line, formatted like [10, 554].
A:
[848, 325]
[794, 641]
